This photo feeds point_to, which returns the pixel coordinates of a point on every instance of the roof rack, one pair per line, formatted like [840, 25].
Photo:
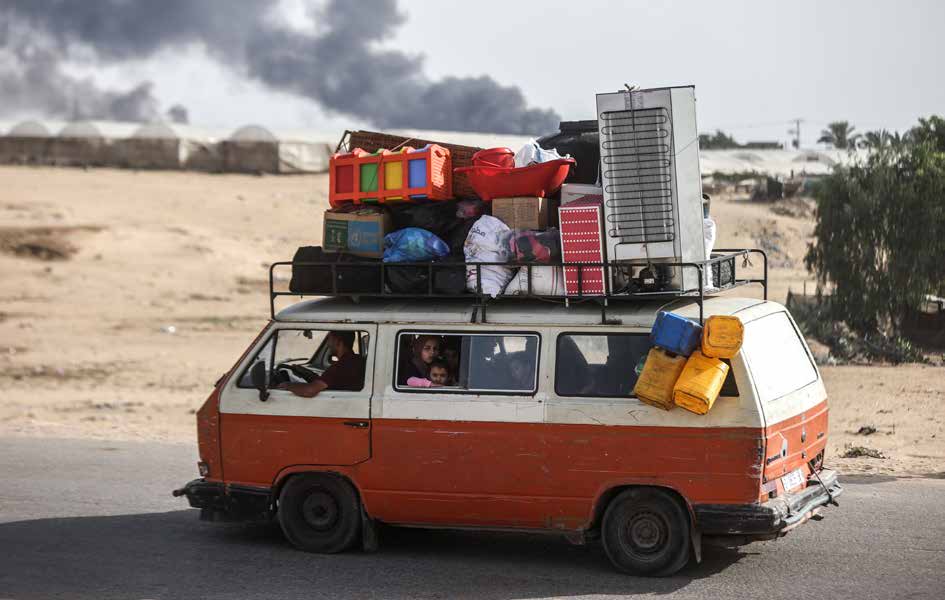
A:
[726, 280]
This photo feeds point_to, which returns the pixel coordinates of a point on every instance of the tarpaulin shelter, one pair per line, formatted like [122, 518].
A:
[203, 153]
[255, 149]
[151, 146]
[27, 142]
[304, 155]
[251, 149]
[775, 163]
[79, 144]
[29, 129]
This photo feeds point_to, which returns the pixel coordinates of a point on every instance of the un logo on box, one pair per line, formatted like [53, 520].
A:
[364, 236]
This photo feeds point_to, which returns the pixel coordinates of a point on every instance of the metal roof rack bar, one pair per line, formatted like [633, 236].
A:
[480, 300]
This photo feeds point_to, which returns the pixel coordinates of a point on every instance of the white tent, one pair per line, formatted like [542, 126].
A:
[80, 143]
[776, 163]
[253, 133]
[156, 131]
[27, 142]
[251, 149]
[255, 149]
[81, 130]
[466, 138]
[29, 129]
[151, 146]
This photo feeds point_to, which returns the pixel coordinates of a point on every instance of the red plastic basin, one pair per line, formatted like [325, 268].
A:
[541, 180]
[494, 157]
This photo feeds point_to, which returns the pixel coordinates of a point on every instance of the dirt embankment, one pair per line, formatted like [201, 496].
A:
[127, 294]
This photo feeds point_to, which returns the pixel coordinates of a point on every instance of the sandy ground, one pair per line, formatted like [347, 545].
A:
[127, 294]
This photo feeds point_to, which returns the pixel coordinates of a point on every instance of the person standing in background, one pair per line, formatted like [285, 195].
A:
[709, 232]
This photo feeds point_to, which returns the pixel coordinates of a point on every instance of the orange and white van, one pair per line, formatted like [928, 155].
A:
[537, 430]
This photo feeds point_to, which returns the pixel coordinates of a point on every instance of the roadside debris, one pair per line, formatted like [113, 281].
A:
[862, 451]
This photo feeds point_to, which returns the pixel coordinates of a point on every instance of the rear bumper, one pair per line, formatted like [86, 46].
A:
[220, 502]
[772, 518]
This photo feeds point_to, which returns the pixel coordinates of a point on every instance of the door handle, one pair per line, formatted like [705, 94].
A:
[358, 424]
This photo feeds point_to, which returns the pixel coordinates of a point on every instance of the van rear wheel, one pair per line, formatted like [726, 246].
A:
[319, 513]
[646, 532]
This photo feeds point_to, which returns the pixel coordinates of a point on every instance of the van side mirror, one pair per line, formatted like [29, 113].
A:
[259, 375]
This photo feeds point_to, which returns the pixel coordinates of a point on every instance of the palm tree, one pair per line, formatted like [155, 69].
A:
[878, 140]
[839, 134]
[931, 130]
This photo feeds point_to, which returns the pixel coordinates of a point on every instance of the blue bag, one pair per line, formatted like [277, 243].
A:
[413, 245]
[675, 334]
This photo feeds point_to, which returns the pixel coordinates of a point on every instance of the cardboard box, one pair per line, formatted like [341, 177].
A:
[579, 191]
[521, 212]
[360, 232]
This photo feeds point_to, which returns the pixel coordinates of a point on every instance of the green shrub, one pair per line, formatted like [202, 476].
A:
[880, 233]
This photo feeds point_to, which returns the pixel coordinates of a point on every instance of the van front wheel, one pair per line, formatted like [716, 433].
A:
[319, 513]
[646, 532]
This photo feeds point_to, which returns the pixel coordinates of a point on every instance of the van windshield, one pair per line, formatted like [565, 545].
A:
[778, 360]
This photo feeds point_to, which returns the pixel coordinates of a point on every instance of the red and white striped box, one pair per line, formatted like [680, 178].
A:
[582, 241]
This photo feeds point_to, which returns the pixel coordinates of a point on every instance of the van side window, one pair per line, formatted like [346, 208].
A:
[302, 355]
[460, 363]
[777, 358]
[598, 365]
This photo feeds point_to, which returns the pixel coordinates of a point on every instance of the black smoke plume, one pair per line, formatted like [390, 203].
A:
[32, 80]
[336, 63]
[178, 114]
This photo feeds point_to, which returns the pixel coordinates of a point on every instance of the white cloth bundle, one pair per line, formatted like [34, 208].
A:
[488, 242]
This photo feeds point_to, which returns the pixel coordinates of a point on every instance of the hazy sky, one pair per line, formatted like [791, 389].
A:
[755, 65]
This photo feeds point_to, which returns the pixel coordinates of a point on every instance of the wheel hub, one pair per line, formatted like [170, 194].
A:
[320, 510]
[646, 533]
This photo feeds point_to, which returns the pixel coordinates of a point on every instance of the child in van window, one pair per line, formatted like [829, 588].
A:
[439, 376]
[423, 352]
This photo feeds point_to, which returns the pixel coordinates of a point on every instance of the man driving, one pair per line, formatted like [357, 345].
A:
[346, 373]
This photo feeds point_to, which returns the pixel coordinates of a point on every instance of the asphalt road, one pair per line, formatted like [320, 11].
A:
[84, 519]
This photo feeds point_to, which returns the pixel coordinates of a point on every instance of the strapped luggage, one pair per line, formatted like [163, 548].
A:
[349, 278]
[448, 278]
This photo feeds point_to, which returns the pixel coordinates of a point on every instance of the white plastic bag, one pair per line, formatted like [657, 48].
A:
[546, 281]
[488, 242]
[708, 231]
[532, 153]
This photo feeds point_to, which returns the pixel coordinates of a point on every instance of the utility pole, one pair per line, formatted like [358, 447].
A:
[796, 132]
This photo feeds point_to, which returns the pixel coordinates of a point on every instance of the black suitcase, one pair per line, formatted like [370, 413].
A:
[449, 278]
[349, 278]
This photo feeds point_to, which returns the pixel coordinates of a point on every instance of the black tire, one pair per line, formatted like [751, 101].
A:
[646, 532]
[320, 513]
